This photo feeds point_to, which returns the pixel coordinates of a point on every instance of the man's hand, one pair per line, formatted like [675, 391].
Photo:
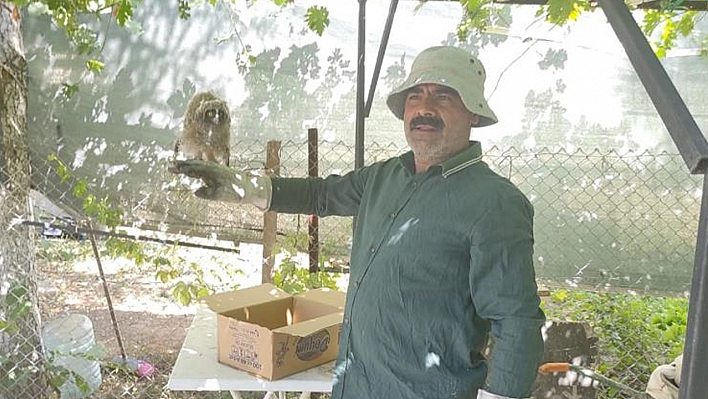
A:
[222, 183]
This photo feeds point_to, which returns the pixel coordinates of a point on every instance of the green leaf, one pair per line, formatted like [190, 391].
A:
[477, 16]
[183, 9]
[161, 261]
[317, 19]
[163, 276]
[16, 295]
[282, 3]
[182, 293]
[68, 90]
[202, 292]
[7, 327]
[561, 11]
[81, 382]
[686, 23]
[652, 19]
[124, 12]
[19, 310]
[85, 39]
[94, 66]
[80, 188]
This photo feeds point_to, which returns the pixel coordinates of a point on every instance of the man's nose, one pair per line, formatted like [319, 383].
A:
[426, 107]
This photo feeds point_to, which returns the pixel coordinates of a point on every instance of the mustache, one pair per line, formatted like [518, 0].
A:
[427, 120]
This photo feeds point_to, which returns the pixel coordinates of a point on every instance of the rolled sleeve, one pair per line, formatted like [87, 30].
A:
[504, 292]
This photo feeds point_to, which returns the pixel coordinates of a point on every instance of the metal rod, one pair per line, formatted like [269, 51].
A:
[695, 361]
[313, 245]
[673, 111]
[609, 382]
[360, 79]
[76, 229]
[270, 218]
[379, 59]
[107, 293]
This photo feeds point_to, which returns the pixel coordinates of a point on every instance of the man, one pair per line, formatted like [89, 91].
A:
[442, 250]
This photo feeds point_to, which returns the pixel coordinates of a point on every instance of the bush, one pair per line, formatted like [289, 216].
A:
[636, 333]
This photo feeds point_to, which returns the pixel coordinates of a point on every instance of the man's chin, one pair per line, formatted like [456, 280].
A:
[426, 151]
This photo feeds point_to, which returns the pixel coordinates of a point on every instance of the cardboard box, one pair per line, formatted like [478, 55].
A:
[270, 333]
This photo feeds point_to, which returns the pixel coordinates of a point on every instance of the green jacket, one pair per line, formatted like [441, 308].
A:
[438, 260]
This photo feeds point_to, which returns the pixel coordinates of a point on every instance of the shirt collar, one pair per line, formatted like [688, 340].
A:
[470, 156]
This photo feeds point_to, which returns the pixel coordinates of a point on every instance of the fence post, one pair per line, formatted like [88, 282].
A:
[270, 218]
[313, 243]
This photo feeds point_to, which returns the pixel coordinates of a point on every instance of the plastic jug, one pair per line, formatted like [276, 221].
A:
[73, 335]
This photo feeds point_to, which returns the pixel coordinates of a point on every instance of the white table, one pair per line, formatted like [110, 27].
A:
[197, 368]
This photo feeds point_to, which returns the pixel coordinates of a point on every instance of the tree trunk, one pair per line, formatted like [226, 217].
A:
[20, 345]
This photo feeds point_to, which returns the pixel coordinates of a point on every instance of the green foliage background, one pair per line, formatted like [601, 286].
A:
[636, 333]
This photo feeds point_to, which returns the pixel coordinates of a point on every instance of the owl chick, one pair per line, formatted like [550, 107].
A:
[206, 131]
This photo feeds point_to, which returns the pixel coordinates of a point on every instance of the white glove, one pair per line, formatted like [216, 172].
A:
[482, 394]
[665, 380]
[222, 183]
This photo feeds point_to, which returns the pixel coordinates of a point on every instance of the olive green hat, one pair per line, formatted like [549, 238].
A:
[452, 67]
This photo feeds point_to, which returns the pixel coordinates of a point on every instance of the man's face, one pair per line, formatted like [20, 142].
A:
[437, 124]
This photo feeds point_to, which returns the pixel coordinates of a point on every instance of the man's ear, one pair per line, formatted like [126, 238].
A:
[475, 120]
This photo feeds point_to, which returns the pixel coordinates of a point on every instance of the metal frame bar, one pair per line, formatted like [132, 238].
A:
[379, 59]
[360, 81]
[695, 362]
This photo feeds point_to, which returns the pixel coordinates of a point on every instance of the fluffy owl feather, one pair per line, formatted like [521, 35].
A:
[206, 130]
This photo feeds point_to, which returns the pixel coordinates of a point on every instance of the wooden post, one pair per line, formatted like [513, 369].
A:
[270, 218]
[313, 245]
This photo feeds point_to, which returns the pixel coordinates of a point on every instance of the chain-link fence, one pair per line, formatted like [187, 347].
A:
[603, 221]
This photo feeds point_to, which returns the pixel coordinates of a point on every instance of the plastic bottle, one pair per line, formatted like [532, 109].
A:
[73, 335]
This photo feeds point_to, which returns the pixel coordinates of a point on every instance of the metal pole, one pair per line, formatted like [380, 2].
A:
[382, 52]
[270, 218]
[106, 292]
[673, 111]
[360, 78]
[695, 361]
[313, 244]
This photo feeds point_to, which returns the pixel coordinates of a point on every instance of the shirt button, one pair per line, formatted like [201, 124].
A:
[373, 249]
[346, 320]
[393, 215]
[356, 284]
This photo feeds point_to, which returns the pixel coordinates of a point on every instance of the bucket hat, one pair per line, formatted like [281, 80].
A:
[452, 67]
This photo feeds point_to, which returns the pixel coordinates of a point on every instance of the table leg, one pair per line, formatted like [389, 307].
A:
[235, 395]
